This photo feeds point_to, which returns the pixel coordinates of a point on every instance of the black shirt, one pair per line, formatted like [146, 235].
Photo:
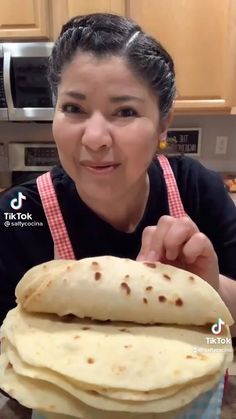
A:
[202, 192]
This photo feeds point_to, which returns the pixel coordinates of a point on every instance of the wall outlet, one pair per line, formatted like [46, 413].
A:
[221, 145]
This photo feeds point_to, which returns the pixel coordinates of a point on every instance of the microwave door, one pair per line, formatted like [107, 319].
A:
[28, 92]
[3, 102]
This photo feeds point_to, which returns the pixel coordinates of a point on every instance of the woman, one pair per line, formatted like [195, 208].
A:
[114, 89]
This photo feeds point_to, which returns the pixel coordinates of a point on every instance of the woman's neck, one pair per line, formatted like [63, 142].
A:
[126, 212]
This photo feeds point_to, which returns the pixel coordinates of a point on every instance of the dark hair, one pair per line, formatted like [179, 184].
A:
[106, 34]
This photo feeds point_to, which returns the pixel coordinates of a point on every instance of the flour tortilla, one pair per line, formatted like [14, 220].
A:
[124, 356]
[41, 395]
[111, 288]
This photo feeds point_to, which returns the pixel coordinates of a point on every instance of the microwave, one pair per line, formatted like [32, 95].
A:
[25, 93]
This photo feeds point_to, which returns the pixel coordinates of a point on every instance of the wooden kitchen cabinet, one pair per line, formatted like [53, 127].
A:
[24, 19]
[201, 37]
[62, 10]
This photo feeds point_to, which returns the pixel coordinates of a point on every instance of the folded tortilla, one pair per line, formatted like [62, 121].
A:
[111, 288]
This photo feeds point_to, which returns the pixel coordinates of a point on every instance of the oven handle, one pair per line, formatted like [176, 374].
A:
[7, 81]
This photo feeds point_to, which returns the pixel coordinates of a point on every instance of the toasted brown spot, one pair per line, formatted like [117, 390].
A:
[166, 277]
[190, 357]
[122, 330]
[149, 288]
[68, 318]
[86, 328]
[145, 300]
[52, 407]
[128, 346]
[97, 276]
[49, 283]
[127, 276]
[150, 264]
[90, 360]
[9, 366]
[125, 287]
[77, 337]
[146, 392]
[118, 369]
[95, 393]
[162, 298]
[177, 372]
[44, 266]
[202, 357]
[191, 278]
[68, 268]
[179, 302]
[95, 264]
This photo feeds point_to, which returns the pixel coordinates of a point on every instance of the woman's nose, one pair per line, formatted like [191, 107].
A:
[96, 133]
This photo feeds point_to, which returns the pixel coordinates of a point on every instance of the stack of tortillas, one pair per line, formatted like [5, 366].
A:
[112, 338]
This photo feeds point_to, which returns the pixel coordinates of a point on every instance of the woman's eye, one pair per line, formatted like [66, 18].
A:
[71, 109]
[127, 112]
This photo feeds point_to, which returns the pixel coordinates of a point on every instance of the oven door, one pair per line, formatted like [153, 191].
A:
[28, 94]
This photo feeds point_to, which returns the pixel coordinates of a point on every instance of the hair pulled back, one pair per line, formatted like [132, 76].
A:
[105, 34]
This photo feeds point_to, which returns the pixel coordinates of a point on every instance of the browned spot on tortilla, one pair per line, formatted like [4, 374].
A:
[90, 360]
[86, 328]
[191, 278]
[149, 288]
[44, 266]
[49, 283]
[179, 302]
[150, 264]
[52, 407]
[190, 357]
[97, 276]
[145, 300]
[68, 268]
[9, 366]
[146, 392]
[95, 265]
[77, 337]
[166, 277]
[118, 369]
[177, 372]
[128, 346]
[162, 298]
[125, 287]
[123, 330]
[202, 357]
[95, 393]
[127, 276]
[68, 318]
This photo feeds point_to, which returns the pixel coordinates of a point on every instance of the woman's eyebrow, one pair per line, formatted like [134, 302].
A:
[74, 95]
[123, 98]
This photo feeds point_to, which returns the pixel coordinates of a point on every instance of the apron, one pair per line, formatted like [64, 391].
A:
[207, 405]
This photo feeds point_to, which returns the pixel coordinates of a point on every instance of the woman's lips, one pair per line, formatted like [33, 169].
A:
[101, 169]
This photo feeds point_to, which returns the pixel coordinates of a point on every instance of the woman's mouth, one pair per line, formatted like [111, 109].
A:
[101, 168]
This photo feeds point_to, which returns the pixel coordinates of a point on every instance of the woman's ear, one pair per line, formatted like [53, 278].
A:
[164, 126]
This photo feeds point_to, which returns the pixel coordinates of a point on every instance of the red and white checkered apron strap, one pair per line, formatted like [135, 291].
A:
[62, 244]
[174, 200]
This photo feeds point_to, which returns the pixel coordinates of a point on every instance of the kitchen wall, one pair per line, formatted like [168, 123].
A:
[211, 127]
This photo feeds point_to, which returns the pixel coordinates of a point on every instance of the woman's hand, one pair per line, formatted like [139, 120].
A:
[178, 242]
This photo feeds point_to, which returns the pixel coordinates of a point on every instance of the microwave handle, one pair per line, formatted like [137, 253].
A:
[7, 80]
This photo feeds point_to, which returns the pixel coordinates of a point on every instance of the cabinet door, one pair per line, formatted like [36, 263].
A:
[197, 35]
[24, 19]
[65, 9]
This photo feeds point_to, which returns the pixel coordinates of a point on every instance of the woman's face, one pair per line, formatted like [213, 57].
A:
[106, 126]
